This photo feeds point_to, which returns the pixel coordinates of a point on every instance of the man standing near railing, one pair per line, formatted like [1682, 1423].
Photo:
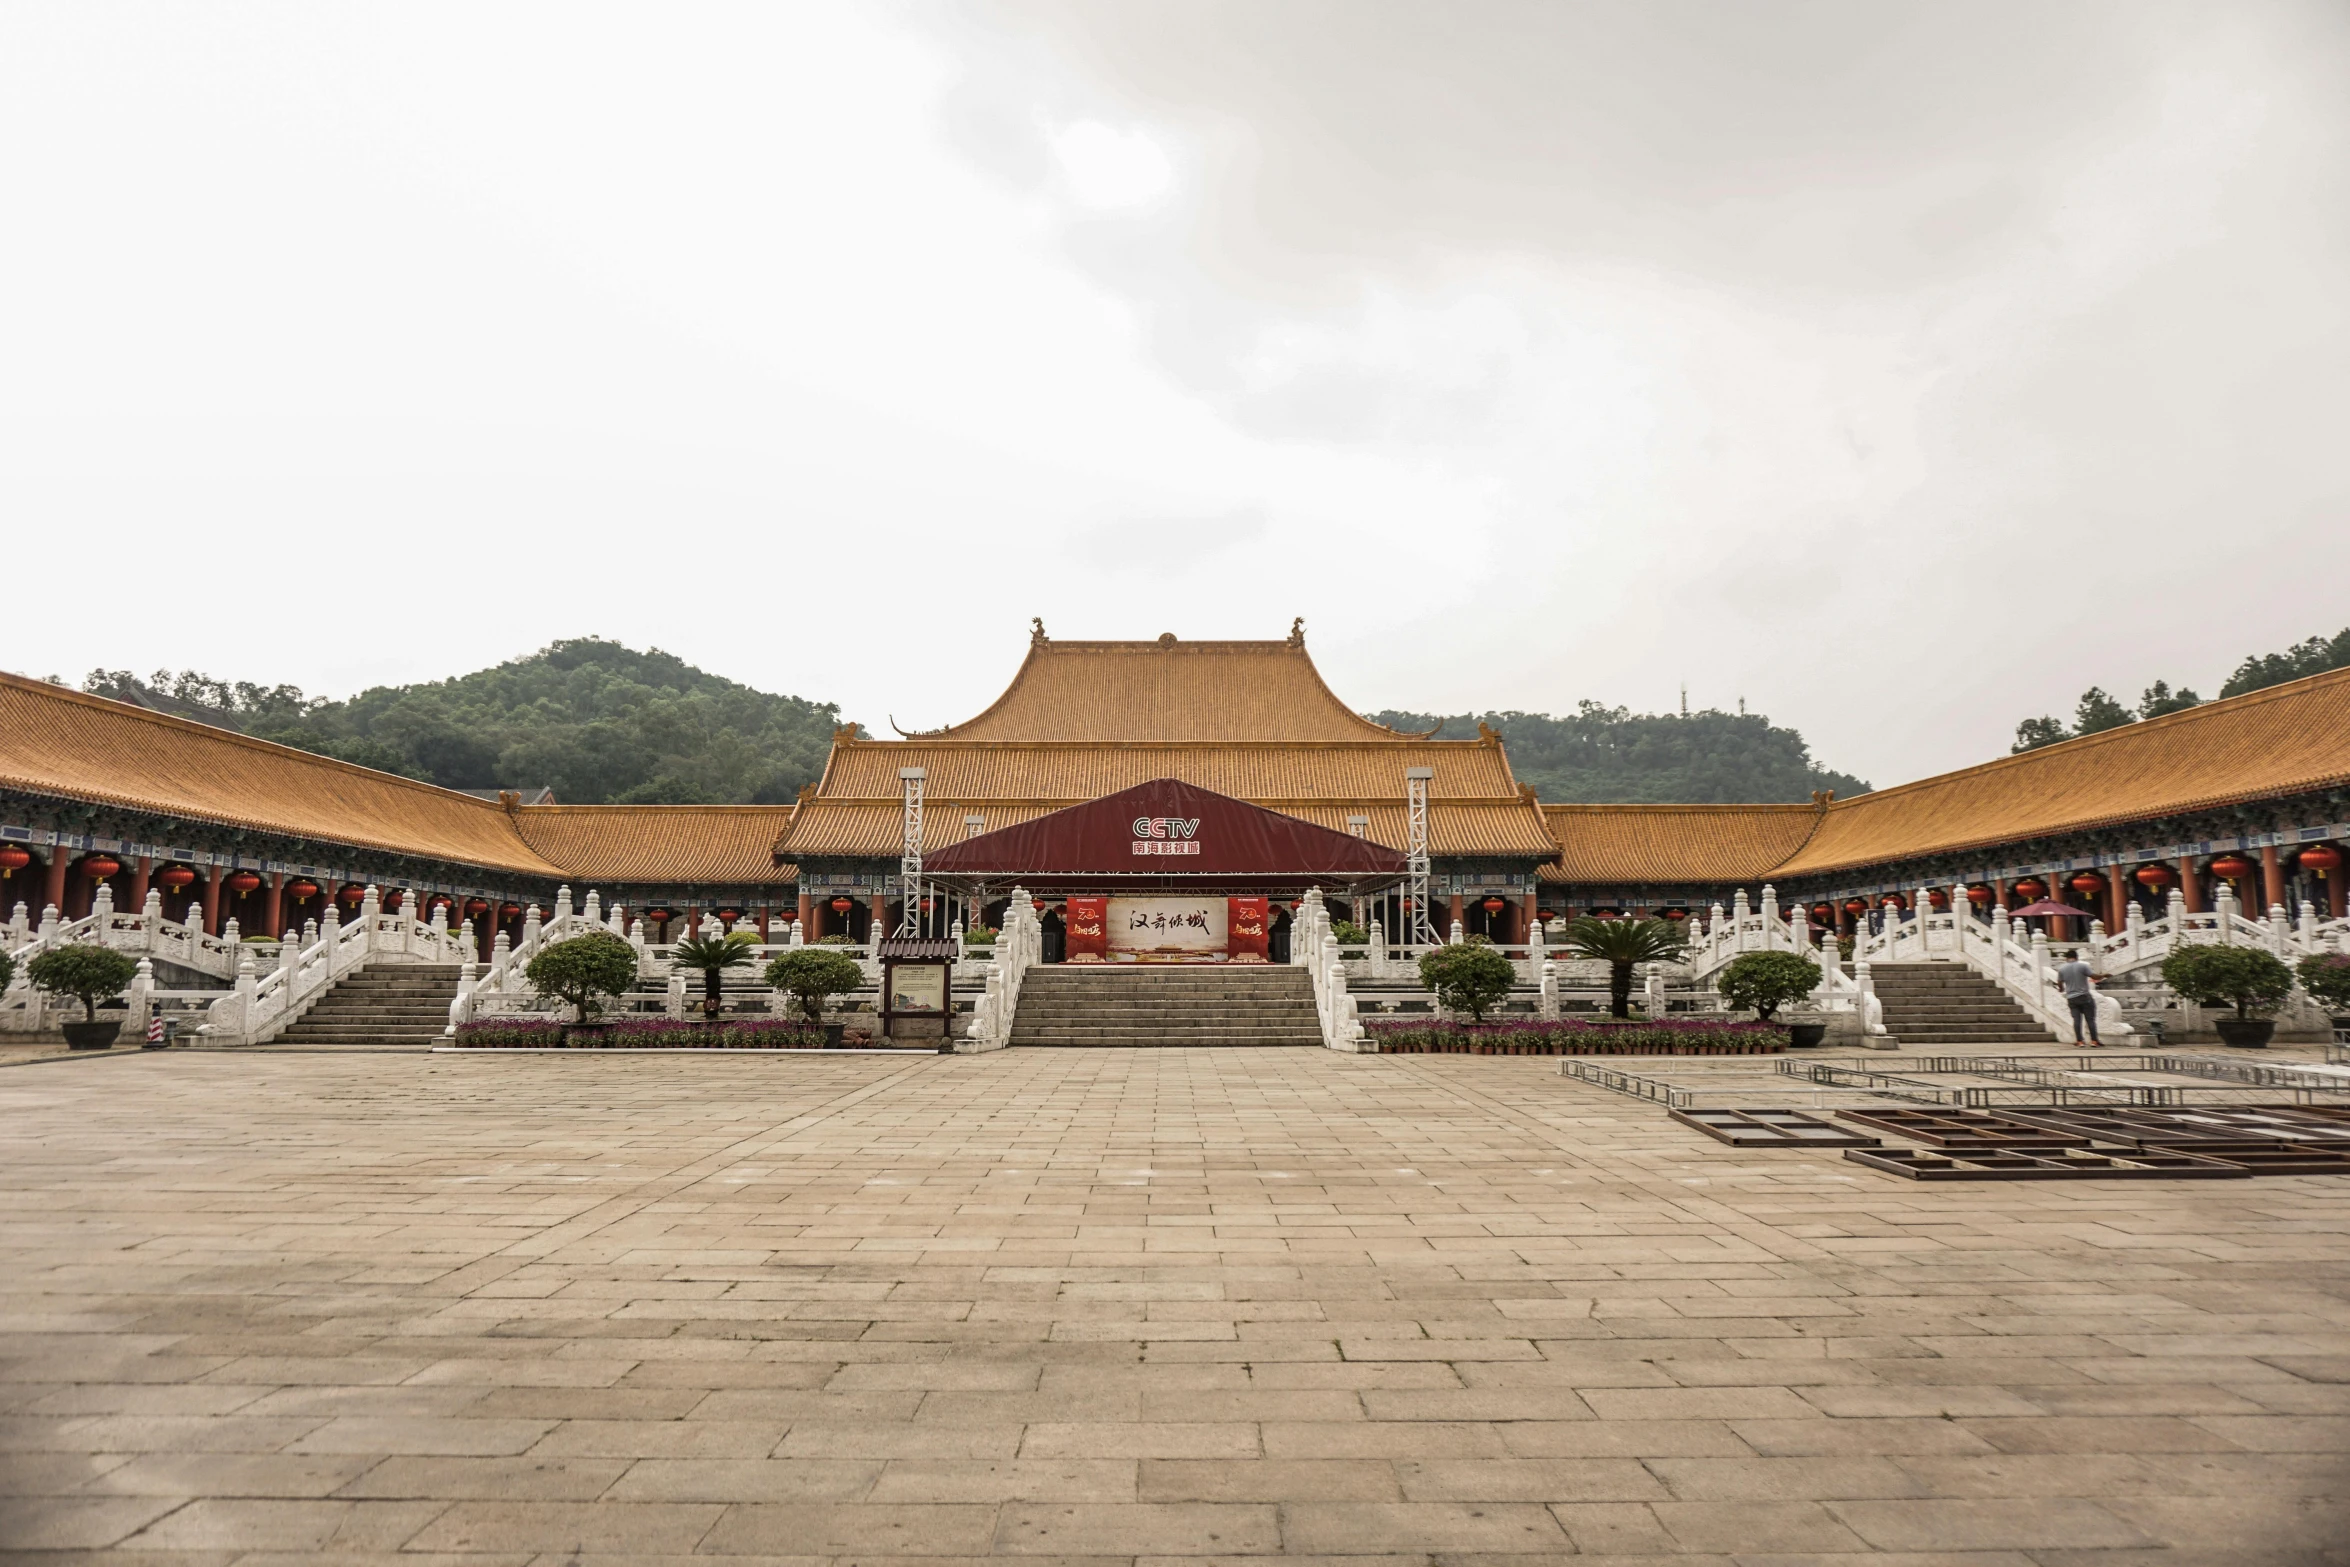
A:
[2080, 997]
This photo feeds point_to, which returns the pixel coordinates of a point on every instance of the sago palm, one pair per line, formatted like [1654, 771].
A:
[714, 955]
[1620, 944]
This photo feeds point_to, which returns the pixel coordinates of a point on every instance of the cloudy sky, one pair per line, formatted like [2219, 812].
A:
[1901, 369]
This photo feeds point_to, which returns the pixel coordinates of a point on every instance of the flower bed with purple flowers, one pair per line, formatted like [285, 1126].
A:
[1667, 1037]
[659, 1033]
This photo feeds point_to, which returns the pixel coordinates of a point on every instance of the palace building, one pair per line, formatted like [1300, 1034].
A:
[2253, 791]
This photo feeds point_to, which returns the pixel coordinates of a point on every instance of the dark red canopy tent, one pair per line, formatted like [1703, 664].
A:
[1167, 835]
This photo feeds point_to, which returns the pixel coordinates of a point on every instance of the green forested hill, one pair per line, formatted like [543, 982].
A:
[598, 722]
[1612, 755]
[601, 724]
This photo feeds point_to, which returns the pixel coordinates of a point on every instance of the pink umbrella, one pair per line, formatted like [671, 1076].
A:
[2044, 907]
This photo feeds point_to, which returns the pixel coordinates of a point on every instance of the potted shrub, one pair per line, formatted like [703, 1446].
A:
[2325, 975]
[712, 956]
[1620, 944]
[583, 971]
[2254, 982]
[88, 974]
[814, 975]
[1467, 978]
[1767, 981]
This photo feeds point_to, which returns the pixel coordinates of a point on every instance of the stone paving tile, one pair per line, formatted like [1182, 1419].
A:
[1114, 1307]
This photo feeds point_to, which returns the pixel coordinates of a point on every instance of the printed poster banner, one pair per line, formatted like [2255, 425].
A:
[1165, 929]
[1251, 920]
[1086, 921]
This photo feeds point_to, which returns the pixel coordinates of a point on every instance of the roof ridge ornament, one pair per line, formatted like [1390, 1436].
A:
[1297, 632]
[1823, 798]
[1037, 638]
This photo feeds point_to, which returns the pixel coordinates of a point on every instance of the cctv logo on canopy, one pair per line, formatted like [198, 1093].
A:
[1166, 835]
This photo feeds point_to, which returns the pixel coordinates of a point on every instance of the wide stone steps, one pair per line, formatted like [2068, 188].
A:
[1950, 1004]
[380, 1006]
[1119, 1008]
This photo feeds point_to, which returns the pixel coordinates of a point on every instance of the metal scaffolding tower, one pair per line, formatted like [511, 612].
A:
[1416, 870]
[910, 855]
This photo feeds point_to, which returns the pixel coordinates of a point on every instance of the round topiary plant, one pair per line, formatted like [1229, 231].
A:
[1767, 981]
[2326, 975]
[813, 975]
[583, 971]
[2254, 982]
[89, 974]
[1467, 978]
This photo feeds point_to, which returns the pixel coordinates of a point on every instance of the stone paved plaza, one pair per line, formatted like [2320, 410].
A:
[1105, 1306]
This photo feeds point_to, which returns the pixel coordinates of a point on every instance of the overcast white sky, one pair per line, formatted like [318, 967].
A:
[1901, 369]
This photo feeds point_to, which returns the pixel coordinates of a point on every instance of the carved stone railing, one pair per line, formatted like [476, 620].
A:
[1019, 946]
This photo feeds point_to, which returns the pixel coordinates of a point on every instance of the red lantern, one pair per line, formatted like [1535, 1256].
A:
[2030, 889]
[100, 866]
[175, 876]
[353, 893]
[1407, 903]
[925, 906]
[508, 910]
[1036, 904]
[1823, 913]
[843, 905]
[12, 860]
[1856, 905]
[731, 915]
[1541, 914]
[1495, 905]
[243, 882]
[1893, 900]
[2154, 875]
[475, 908]
[1674, 913]
[302, 891]
[662, 912]
[2230, 867]
[1979, 894]
[2321, 858]
[1939, 898]
[2088, 883]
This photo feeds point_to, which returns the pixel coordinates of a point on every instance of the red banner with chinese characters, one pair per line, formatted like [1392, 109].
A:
[1088, 925]
[1248, 921]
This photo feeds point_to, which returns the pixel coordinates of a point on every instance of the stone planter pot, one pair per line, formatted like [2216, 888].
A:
[1805, 1036]
[2245, 1033]
[832, 1035]
[92, 1036]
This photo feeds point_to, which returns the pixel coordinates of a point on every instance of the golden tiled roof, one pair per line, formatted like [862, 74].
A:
[1476, 806]
[1613, 844]
[2288, 739]
[62, 742]
[1167, 690]
[705, 845]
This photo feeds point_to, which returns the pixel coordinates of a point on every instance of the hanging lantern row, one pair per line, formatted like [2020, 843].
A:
[100, 866]
[243, 882]
[1980, 894]
[176, 877]
[2231, 867]
[1856, 905]
[2321, 858]
[1823, 913]
[2155, 876]
[2089, 882]
[475, 908]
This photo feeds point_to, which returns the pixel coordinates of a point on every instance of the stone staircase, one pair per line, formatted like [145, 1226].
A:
[1938, 1005]
[387, 1004]
[1166, 1004]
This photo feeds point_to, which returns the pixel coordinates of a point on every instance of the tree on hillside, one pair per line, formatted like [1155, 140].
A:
[1611, 754]
[2312, 657]
[599, 722]
[2097, 711]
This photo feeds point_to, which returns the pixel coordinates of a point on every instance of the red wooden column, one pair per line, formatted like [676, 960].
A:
[2272, 879]
[2334, 891]
[1446, 933]
[1526, 916]
[273, 908]
[53, 882]
[2190, 884]
[2117, 898]
[139, 881]
[880, 904]
[212, 876]
[807, 916]
[1998, 894]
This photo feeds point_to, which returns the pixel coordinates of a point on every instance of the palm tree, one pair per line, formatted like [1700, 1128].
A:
[1620, 944]
[714, 955]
